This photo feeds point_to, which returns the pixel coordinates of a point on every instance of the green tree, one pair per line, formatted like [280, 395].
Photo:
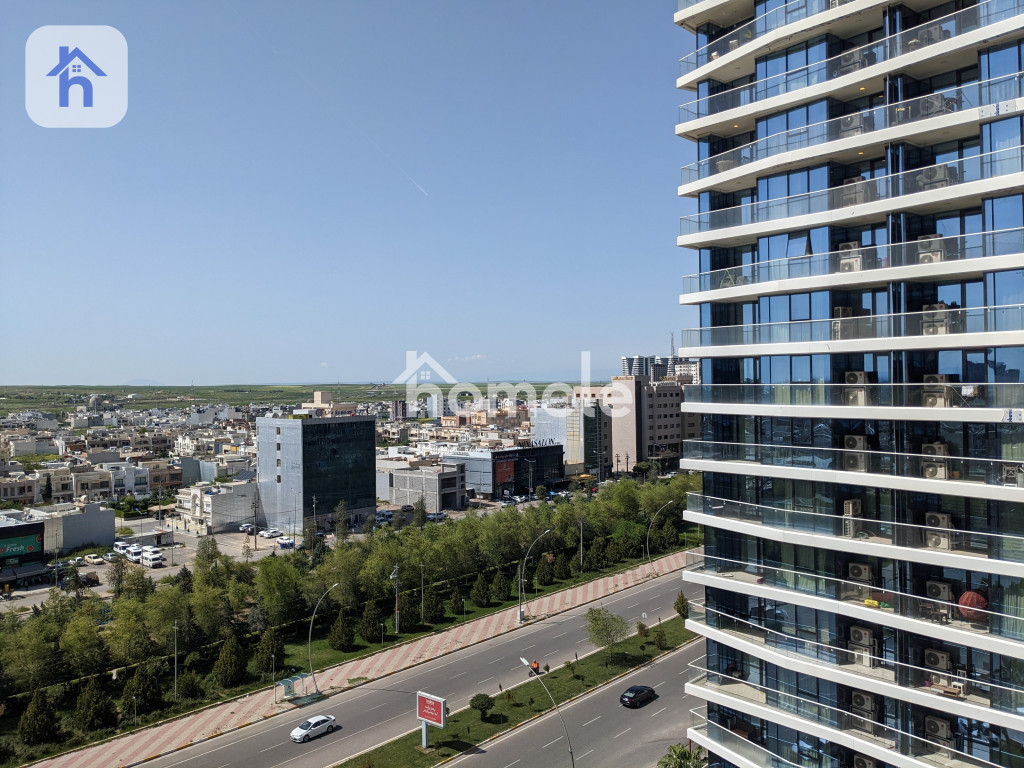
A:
[545, 572]
[209, 610]
[419, 513]
[190, 687]
[116, 573]
[562, 567]
[258, 619]
[433, 608]
[500, 586]
[95, 709]
[39, 722]
[127, 637]
[206, 563]
[342, 636]
[456, 605]
[279, 590]
[481, 592]
[660, 639]
[82, 646]
[184, 580]
[369, 625]
[142, 693]
[246, 551]
[137, 584]
[482, 703]
[48, 490]
[605, 629]
[682, 606]
[269, 652]
[229, 669]
[679, 756]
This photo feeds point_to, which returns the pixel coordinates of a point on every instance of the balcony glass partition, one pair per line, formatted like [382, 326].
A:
[848, 62]
[857, 258]
[938, 323]
[856, 526]
[742, 742]
[860, 191]
[948, 101]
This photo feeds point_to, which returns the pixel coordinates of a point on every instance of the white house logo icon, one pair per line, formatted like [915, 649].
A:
[76, 76]
[65, 65]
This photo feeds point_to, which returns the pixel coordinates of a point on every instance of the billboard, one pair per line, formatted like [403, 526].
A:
[504, 472]
[430, 709]
[21, 545]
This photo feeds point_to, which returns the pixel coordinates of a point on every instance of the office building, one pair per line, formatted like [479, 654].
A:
[858, 276]
[657, 367]
[505, 472]
[584, 432]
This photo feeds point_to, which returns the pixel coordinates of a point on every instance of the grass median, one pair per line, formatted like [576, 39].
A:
[516, 705]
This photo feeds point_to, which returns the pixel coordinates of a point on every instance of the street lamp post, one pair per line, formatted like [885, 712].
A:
[529, 490]
[572, 760]
[273, 675]
[522, 569]
[651, 525]
[382, 625]
[309, 645]
[135, 707]
[175, 659]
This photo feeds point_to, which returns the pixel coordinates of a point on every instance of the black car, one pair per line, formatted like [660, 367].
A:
[637, 696]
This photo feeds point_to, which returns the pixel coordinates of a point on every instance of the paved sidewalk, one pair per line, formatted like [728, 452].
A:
[160, 739]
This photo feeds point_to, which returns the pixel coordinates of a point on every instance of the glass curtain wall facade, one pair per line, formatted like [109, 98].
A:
[859, 280]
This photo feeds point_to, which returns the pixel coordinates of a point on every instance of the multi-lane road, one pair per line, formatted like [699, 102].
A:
[383, 710]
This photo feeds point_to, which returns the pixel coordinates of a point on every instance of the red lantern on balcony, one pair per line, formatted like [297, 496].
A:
[972, 605]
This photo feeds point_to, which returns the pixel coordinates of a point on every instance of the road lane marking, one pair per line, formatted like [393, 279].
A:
[529, 647]
[659, 711]
[511, 764]
[552, 742]
[591, 721]
[481, 682]
[269, 748]
[584, 754]
[377, 707]
[467, 672]
[634, 605]
[561, 635]
[661, 683]
[621, 734]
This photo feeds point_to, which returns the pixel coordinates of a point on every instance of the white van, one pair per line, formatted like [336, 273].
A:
[121, 547]
[150, 548]
[134, 554]
[152, 559]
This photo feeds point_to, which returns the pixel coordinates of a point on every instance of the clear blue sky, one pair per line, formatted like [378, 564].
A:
[302, 191]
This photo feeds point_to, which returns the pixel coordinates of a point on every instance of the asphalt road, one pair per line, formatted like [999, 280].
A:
[603, 732]
[381, 711]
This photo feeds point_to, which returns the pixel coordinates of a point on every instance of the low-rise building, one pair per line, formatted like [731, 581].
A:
[127, 480]
[207, 508]
[440, 486]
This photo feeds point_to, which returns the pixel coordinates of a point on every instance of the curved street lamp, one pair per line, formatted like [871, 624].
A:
[651, 525]
[309, 645]
[572, 760]
[522, 567]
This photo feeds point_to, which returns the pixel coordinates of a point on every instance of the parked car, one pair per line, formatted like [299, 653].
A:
[285, 543]
[77, 560]
[271, 533]
[134, 554]
[408, 508]
[90, 580]
[110, 556]
[121, 546]
[246, 528]
[94, 560]
[313, 727]
[637, 696]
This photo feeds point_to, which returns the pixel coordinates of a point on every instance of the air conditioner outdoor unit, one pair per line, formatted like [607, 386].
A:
[937, 728]
[934, 398]
[850, 263]
[862, 636]
[933, 176]
[838, 313]
[935, 328]
[853, 507]
[854, 191]
[938, 540]
[1008, 474]
[851, 526]
[863, 761]
[843, 329]
[936, 659]
[855, 442]
[932, 104]
[856, 396]
[855, 462]
[937, 448]
[932, 257]
[850, 248]
[856, 377]
[860, 572]
[862, 654]
[932, 34]
[934, 470]
[937, 378]
[850, 61]
[935, 311]
[939, 590]
[937, 520]
[863, 701]
[851, 125]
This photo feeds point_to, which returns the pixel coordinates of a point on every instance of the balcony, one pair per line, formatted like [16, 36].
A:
[819, 716]
[742, 741]
[854, 257]
[852, 61]
[850, 665]
[871, 593]
[997, 397]
[860, 191]
[844, 527]
[912, 111]
[933, 469]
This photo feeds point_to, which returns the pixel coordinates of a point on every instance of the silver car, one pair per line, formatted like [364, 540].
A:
[313, 727]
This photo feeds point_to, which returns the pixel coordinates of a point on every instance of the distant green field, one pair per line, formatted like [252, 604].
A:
[67, 398]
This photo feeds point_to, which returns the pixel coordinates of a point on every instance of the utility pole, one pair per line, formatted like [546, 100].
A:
[315, 528]
[255, 528]
[394, 577]
[422, 599]
[175, 659]
[581, 544]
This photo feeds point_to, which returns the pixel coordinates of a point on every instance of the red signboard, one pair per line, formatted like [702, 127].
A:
[430, 709]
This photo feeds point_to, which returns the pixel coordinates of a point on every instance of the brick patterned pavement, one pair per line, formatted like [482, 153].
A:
[160, 739]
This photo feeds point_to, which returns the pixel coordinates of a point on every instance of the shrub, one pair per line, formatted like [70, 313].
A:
[482, 703]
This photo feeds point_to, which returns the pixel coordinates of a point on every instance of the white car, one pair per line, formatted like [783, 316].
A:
[271, 533]
[285, 543]
[313, 727]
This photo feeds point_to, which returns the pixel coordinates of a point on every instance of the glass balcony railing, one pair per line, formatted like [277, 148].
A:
[863, 724]
[981, 688]
[938, 323]
[739, 740]
[752, 30]
[939, 468]
[682, 5]
[873, 395]
[995, 546]
[870, 592]
[948, 101]
[929, 33]
[860, 191]
[857, 258]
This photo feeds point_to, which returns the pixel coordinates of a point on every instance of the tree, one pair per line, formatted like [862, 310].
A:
[545, 572]
[190, 686]
[269, 652]
[116, 573]
[39, 722]
[342, 636]
[660, 639]
[229, 670]
[456, 604]
[184, 580]
[481, 592]
[433, 608]
[258, 619]
[562, 567]
[48, 490]
[279, 590]
[137, 585]
[94, 710]
[682, 606]
[369, 625]
[246, 551]
[500, 586]
[341, 517]
[679, 756]
[82, 646]
[419, 513]
[482, 703]
[142, 693]
[605, 629]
